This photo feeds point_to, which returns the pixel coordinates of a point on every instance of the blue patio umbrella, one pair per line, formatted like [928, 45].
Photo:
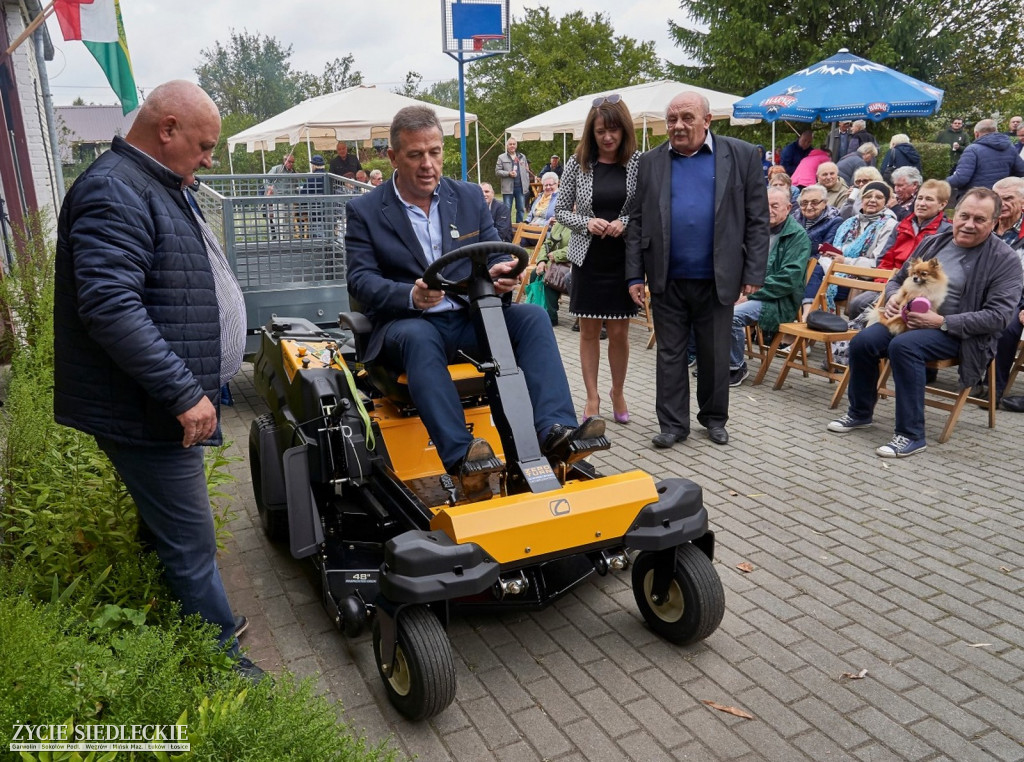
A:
[843, 87]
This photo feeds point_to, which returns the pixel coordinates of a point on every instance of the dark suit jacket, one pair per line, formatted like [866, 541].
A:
[741, 219]
[384, 258]
[502, 220]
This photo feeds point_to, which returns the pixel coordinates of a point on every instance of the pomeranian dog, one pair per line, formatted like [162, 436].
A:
[924, 289]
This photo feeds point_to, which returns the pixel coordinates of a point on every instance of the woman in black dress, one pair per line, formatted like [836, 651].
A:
[597, 186]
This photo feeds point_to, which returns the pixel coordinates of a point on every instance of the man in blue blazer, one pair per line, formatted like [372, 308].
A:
[393, 234]
[698, 232]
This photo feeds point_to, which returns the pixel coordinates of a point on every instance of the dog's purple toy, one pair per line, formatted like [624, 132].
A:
[921, 304]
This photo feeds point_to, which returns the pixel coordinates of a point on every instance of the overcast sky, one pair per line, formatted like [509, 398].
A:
[387, 37]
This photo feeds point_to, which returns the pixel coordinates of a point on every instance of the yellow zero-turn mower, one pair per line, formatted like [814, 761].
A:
[345, 472]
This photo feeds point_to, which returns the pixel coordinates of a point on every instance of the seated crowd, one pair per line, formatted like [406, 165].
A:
[882, 225]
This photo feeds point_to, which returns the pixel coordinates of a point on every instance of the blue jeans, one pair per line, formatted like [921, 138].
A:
[515, 201]
[742, 315]
[907, 353]
[423, 347]
[168, 484]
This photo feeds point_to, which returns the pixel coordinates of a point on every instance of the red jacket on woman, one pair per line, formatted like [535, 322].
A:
[904, 240]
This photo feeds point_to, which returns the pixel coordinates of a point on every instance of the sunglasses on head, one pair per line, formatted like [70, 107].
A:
[602, 99]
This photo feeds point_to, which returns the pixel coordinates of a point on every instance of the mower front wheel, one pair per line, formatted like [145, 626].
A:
[422, 679]
[694, 603]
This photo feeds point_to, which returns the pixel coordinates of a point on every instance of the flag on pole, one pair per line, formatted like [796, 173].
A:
[97, 23]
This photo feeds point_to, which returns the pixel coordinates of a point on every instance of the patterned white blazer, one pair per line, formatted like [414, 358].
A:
[575, 203]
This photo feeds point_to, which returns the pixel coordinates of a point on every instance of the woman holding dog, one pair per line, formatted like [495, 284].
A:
[597, 186]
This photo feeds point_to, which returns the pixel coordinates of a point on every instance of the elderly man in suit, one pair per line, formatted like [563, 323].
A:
[698, 232]
[393, 234]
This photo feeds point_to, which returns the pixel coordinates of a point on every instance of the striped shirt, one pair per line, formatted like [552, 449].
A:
[230, 302]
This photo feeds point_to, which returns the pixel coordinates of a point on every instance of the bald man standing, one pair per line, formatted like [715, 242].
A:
[149, 323]
[698, 233]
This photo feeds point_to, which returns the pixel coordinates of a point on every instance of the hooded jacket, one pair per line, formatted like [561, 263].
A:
[903, 155]
[988, 159]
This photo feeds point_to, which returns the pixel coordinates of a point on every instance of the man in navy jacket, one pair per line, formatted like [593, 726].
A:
[148, 324]
[393, 234]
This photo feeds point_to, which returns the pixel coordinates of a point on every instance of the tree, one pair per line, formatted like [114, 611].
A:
[250, 75]
[337, 75]
[442, 93]
[553, 61]
[953, 44]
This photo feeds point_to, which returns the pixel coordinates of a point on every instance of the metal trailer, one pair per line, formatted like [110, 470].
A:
[284, 237]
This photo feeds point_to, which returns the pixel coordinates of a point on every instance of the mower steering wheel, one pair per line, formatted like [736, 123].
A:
[479, 253]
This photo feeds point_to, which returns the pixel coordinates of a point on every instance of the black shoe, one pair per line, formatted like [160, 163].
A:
[241, 625]
[248, 670]
[738, 376]
[1013, 404]
[570, 444]
[475, 469]
[718, 435]
[664, 440]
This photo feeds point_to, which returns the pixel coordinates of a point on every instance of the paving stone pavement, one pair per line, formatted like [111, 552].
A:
[912, 570]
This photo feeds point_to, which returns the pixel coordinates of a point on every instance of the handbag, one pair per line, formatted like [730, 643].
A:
[827, 322]
[556, 276]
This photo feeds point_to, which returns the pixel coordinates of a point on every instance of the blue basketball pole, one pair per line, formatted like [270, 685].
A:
[462, 114]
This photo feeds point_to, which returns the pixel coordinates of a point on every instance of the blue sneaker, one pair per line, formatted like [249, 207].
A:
[901, 447]
[848, 423]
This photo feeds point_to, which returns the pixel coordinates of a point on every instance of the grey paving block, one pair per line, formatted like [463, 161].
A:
[491, 722]
[714, 731]
[592, 742]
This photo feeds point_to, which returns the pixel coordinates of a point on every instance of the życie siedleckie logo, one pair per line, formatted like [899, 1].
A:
[877, 108]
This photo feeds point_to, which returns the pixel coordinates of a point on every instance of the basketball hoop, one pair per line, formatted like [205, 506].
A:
[480, 39]
[473, 29]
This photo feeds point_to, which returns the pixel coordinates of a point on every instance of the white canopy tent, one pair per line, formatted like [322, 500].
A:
[355, 113]
[646, 103]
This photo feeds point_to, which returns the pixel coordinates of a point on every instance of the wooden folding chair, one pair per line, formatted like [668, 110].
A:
[527, 236]
[840, 275]
[754, 333]
[1018, 365]
[939, 398]
[645, 318]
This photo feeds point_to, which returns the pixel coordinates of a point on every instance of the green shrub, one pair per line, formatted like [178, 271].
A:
[58, 668]
[934, 160]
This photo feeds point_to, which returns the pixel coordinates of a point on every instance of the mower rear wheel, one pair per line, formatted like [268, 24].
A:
[422, 680]
[274, 522]
[695, 603]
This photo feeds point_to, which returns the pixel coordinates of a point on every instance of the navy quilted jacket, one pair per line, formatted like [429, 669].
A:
[137, 337]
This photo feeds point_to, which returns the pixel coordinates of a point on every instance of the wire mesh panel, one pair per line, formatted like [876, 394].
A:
[284, 236]
[474, 28]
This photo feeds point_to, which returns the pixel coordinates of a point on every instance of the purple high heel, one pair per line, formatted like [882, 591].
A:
[619, 417]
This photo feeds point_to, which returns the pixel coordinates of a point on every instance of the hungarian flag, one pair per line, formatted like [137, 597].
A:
[97, 23]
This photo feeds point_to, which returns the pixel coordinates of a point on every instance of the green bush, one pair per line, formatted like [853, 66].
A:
[60, 669]
[934, 160]
[88, 631]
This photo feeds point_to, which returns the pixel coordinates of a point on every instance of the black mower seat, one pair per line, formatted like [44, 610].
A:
[469, 382]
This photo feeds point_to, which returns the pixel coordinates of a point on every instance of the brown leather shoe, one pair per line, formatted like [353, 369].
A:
[475, 470]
